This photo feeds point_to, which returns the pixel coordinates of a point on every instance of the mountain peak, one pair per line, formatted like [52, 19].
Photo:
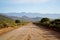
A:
[25, 16]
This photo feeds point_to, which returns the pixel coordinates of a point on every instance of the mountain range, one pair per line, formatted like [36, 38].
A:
[32, 17]
[25, 18]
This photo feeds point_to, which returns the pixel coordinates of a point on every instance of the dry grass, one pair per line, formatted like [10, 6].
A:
[4, 30]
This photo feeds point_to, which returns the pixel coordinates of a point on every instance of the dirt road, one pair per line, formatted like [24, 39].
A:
[30, 32]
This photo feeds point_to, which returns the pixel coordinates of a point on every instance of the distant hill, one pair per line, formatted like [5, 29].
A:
[25, 18]
[33, 15]
[4, 17]
[30, 19]
[5, 21]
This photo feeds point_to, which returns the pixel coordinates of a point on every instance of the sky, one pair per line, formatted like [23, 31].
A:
[34, 6]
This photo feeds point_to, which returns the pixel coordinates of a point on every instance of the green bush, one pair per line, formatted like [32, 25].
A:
[17, 21]
[45, 21]
[6, 21]
[3, 25]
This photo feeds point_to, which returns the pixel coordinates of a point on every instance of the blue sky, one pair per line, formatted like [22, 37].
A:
[34, 6]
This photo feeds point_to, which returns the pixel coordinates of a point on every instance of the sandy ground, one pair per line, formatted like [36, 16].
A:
[30, 32]
[4, 30]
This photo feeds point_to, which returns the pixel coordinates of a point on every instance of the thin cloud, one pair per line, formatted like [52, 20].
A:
[25, 1]
[31, 1]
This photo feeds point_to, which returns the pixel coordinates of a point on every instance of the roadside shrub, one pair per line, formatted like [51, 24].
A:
[17, 21]
[3, 25]
[45, 21]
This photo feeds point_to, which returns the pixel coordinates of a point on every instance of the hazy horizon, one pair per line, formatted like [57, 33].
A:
[33, 15]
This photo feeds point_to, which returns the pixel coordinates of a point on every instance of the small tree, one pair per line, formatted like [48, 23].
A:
[17, 21]
[57, 21]
[45, 21]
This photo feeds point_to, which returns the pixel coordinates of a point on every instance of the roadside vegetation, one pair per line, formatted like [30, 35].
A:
[8, 24]
[51, 24]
